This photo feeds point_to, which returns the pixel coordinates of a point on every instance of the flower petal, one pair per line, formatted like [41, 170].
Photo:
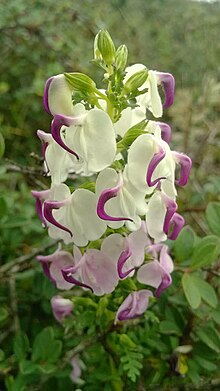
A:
[168, 82]
[58, 96]
[48, 209]
[134, 305]
[156, 159]
[178, 222]
[165, 131]
[185, 166]
[125, 255]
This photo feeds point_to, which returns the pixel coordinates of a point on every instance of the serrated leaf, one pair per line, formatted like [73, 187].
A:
[207, 292]
[213, 217]
[191, 291]
[184, 244]
[205, 252]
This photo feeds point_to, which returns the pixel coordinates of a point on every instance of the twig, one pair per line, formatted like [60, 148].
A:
[13, 266]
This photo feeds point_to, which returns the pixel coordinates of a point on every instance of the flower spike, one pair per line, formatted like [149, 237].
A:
[48, 209]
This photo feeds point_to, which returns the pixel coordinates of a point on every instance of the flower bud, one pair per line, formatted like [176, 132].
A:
[97, 54]
[106, 47]
[135, 81]
[121, 57]
[80, 82]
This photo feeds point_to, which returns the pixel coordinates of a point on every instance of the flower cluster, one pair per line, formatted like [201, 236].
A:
[123, 204]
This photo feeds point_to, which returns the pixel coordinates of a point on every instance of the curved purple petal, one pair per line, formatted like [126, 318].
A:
[45, 97]
[106, 195]
[171, 206]
[185, 166]
[178, 222]
[121, 261]
[168, 82]
[48, 209]
[58, 122]
[40, 196]
[69, 278]
[166, 281]
[165, 131]
[152, 166]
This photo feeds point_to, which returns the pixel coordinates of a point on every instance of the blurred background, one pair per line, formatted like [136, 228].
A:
[42, 38]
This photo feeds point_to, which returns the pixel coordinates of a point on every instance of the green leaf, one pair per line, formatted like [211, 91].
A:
[205, 252]
[210, 338]
[213, 217]
[47, 369]
[45, 347]
[216, 315]
[191, 291]
[208, 365]
[168, 327]
[207, 292]
[184, 244]
[21, 346]
[27, 367]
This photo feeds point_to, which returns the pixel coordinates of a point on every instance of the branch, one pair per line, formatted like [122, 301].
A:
[13, 266]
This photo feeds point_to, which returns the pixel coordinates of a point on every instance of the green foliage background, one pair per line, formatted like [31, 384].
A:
[176, 345]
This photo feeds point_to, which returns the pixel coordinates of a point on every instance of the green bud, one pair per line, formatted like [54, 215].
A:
[121, 57]
[135, 81]
[106, 47]
[97, 54]
[80, 82]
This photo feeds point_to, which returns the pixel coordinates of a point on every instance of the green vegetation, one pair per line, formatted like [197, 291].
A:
[176, 345]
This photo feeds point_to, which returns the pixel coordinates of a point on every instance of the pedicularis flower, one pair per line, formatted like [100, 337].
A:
[126, 178]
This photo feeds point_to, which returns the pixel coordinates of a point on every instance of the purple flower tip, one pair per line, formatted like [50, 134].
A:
[166, 281]
[104, 197]
[178, 222]
[165, 131]
[121, 261]
[48, 209]
[168, 82]
[58, 122]
[185, 167]
[45, 97]
[69, 278]
[152, 166]
[171, 206]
